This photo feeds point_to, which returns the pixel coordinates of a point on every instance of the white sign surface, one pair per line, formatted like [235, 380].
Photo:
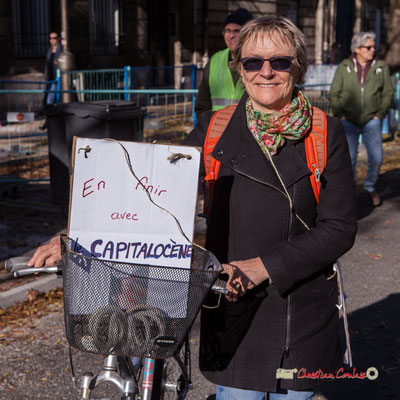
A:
[111, 215]
[20, 117]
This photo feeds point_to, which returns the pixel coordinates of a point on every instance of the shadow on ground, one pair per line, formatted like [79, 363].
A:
[28, 217]
[388, 187]
[375, 340]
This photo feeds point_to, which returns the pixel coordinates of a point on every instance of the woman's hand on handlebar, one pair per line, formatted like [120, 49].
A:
[244, 275]
[47, 255]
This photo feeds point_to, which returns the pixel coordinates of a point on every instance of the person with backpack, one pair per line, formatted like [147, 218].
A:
[281, 210]
[361, 95]
[220, 86]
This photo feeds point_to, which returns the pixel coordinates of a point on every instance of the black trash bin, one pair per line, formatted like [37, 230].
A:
[121, 120]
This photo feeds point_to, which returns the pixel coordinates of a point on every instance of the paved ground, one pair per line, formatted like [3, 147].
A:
[35, 362]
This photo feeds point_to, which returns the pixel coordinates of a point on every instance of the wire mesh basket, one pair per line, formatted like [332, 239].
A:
[132, 309]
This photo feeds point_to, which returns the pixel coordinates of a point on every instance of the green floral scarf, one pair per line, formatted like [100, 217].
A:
[271, 130]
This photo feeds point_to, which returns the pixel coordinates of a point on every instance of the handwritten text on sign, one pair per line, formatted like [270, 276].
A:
[111, 215]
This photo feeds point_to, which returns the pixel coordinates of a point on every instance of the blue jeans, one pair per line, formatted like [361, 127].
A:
[51, 97]
[228, 393]
[372, 139]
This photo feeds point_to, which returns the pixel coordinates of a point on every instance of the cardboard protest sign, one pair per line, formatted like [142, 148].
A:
[124, 197]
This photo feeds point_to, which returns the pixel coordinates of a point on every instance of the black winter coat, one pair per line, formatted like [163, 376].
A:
[291, 323]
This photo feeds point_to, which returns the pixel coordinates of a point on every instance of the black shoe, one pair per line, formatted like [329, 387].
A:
[375, 199]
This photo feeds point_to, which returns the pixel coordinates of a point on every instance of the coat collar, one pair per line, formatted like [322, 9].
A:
[237, 149]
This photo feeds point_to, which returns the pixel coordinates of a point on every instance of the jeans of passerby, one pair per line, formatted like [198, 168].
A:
[51, 97]
[228, 393]
[372, 139]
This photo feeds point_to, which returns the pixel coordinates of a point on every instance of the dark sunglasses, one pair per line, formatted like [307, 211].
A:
[53, 37]
[368, 47]
[278, 63]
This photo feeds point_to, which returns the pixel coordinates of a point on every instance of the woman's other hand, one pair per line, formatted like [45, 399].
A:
[244, 275]
[47, 255]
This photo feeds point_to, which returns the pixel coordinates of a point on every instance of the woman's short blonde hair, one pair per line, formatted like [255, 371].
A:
[285, 30]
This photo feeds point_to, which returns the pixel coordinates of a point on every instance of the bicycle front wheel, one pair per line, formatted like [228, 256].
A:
[175, 379]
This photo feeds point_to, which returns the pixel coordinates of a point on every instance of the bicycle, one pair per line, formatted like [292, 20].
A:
[144, 338]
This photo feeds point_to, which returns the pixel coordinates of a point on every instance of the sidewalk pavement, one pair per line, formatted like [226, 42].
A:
[20, 293]
[371, 281]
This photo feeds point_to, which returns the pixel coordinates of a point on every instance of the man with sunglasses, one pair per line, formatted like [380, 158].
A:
[50, 71]
[221, 86]
[361, 94]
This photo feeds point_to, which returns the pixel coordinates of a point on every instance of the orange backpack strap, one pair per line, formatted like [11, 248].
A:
[315, 145]
[217, 125]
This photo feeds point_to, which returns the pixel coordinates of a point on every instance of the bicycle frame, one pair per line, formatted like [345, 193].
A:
[127, 386]
[153, 384]
[152, 379]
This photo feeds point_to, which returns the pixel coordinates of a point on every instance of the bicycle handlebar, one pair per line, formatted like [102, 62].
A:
[16, 263]
[32, 270]
[18, 267]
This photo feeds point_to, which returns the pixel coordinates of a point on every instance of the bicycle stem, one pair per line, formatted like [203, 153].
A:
[108, 374]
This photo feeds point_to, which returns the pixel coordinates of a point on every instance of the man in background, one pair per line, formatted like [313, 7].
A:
[361, 94]
[220, 86]
[50, 69]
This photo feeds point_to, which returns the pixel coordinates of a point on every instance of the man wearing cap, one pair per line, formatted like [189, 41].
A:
[220, 86]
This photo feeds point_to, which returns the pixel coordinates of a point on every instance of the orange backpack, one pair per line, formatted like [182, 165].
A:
[315, 145]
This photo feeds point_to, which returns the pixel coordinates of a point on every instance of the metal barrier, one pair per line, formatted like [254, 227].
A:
[103, 80]
[170, 113]
[23, 142]
[167, 77]
[318, 94]
[129, 78]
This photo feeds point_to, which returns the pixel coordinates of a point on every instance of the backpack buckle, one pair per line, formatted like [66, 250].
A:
[317, 173]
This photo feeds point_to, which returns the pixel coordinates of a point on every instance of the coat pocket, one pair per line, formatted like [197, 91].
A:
[223, 329]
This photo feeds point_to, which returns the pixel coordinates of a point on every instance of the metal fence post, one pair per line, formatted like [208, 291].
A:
[194, 75]
[58, 79]
[397, 98]
[127, 82]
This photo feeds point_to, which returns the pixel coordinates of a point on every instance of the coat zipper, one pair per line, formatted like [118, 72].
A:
[288, 323]
[289, 299]
[258, 180]
[362, 94]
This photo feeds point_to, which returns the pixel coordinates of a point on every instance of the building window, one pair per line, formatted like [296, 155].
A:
[30, 19]
[292, 11]
[104, 26]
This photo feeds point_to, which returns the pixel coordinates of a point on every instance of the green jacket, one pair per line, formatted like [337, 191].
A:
[357, 104]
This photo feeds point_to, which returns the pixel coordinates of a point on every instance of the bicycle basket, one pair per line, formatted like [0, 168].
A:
[132, 309]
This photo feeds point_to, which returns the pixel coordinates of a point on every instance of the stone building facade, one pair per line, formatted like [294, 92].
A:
[113, 33]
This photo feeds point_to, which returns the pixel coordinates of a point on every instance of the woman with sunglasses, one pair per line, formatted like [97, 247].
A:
[279, 321]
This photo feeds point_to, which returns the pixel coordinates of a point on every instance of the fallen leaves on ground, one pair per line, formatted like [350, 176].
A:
[376, 256]
[15, 317]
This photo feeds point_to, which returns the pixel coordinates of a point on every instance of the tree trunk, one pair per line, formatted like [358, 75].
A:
[392, 57]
